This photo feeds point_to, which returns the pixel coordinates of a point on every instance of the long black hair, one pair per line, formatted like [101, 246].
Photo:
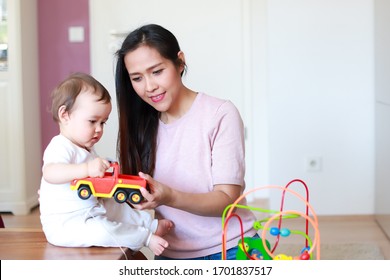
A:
[138, 121]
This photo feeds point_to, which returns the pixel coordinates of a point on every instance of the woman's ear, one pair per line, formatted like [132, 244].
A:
[63, 114]
[181, 56]
[182, 59]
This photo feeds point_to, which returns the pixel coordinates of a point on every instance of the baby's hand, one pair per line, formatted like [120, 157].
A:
[97, 167]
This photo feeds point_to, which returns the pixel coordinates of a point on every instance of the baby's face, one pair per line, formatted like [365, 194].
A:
[85, 123]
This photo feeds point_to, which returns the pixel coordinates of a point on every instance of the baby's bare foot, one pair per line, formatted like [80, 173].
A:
[164, 226]
[157, 244]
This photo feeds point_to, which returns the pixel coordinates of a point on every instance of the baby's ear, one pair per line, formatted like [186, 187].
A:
[63, 114]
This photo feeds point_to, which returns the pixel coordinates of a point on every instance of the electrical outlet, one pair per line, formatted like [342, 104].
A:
[313, 164]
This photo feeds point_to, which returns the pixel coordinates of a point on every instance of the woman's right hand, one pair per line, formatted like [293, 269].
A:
[210, 204]
[159, 194]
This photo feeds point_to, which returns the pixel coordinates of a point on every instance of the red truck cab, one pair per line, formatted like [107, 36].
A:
[113, 184]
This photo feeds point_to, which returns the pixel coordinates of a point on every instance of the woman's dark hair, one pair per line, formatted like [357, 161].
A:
[138, 121]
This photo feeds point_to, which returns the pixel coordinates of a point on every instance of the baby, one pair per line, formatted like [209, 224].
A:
[81, 107]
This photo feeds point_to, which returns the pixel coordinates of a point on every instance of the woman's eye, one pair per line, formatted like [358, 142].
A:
[157, 71]
[136, 79]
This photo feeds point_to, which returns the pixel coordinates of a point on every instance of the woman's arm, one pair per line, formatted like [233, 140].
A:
[210, 204]
[60, 173]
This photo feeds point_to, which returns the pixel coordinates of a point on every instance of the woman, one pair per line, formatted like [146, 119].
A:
[188, 145]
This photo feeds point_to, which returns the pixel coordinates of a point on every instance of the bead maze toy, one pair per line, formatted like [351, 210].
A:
[254, 248]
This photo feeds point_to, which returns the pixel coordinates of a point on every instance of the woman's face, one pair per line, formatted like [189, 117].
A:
[154, 78]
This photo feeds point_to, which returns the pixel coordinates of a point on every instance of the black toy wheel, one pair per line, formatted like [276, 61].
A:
[84, 192]
[135, 197]
[120, 196]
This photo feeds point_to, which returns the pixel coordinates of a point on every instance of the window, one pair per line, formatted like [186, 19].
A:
[3, 36]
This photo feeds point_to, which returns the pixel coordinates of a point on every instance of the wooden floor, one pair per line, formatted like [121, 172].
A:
[333, 229]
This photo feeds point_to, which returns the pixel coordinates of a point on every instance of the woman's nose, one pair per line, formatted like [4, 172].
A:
[150, 85]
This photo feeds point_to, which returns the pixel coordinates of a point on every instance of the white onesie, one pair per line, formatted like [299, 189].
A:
[70, 221]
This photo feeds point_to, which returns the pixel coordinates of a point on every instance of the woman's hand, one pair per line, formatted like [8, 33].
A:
[159, 194]
[211, 204]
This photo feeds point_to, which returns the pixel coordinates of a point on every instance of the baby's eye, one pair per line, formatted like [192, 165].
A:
[92, 121]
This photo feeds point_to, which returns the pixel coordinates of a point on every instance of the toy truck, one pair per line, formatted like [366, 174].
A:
[121, 187]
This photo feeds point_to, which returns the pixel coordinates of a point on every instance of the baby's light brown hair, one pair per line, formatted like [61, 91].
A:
[66, 92]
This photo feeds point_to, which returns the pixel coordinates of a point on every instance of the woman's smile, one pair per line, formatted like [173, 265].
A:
[157, 98]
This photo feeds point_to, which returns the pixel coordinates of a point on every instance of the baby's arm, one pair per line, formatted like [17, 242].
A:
[60, 173]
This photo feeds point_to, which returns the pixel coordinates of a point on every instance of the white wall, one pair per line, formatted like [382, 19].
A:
[321, 101]
[301, 73]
